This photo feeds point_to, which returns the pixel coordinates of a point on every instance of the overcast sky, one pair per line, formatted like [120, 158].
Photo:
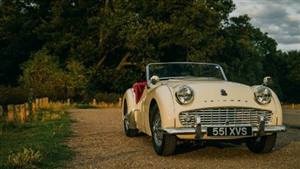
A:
[280, 18]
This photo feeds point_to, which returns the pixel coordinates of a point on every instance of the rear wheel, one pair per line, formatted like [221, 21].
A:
[262, 144]
[164, 144]
[126, 121]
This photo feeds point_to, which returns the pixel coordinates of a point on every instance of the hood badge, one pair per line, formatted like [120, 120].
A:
[223, 92]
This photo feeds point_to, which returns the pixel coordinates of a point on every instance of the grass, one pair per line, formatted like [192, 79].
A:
[36, 144]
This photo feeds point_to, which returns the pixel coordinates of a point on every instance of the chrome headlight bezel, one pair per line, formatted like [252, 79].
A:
[263, 95]
[184, 95]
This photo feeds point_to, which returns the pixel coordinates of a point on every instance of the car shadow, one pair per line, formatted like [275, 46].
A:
[186, 147]
[283, 140]
[292, 134]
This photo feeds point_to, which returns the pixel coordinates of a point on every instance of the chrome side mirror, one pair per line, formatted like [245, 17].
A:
[154, 79]
[267, 81]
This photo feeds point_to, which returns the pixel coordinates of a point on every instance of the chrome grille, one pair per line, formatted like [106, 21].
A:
[224, 116]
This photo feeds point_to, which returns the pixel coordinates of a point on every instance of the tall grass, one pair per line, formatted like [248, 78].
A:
[37, 143]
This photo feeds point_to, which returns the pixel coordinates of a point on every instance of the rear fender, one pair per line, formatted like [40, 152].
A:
[131, 108]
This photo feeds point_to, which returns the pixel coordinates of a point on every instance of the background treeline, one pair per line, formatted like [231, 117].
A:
[81, 49]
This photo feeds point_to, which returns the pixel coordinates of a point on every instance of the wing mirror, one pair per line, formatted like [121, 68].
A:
[154, 79]
[267, 81]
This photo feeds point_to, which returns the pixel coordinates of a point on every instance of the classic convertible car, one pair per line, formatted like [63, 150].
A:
[194, 101]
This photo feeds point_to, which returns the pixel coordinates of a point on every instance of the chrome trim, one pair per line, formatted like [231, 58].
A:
[225, 116]
[279, 128]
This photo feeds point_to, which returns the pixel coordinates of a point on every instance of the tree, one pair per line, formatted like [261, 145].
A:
[76, 79]
[244, 51]
[290, 78]
[42, 74]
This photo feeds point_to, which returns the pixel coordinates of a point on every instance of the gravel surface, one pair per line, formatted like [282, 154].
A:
[99, 142]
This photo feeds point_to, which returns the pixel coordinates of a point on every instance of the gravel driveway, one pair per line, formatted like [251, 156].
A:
[99, 142]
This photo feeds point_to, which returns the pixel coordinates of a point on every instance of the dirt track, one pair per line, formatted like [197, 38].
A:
[99, 142]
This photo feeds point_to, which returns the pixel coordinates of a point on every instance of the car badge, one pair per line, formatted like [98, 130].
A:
[227, 122]
[223, 92]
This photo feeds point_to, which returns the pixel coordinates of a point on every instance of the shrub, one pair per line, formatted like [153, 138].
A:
[84, 106]
[24, 159]
[107, 97]
[12, 95]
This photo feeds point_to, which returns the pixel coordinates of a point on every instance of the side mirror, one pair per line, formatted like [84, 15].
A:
[267, 81]
[154, 79]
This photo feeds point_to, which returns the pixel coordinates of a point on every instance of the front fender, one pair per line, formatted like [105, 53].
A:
[275, 106]
[164, 99]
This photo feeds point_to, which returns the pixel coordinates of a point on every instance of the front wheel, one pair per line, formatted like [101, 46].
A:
[262, 144]
[164, 144]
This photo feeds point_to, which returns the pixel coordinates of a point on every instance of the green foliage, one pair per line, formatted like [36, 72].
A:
[76, 81]
[107, 97]
[42, 74]
[84, 106]
[290, 74]
[12, 95]
[85, 47]
[43, 139]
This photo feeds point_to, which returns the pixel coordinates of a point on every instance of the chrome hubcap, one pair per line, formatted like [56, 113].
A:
[157, 133]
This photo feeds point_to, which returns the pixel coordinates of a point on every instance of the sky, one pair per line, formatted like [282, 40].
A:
[279, 18]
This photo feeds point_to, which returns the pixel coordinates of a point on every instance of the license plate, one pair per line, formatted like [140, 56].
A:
[229, 131]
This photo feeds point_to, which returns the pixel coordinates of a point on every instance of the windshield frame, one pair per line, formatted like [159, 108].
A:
[200, 63]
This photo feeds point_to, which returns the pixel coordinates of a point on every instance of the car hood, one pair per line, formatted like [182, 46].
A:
[216, 93]
[213, 89]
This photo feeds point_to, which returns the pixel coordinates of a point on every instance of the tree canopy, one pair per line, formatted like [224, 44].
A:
[78, 48]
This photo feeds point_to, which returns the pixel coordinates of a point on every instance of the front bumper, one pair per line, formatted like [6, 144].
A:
[279, 128]
[200, 132]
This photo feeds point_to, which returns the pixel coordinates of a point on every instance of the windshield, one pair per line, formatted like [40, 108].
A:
[180, 70]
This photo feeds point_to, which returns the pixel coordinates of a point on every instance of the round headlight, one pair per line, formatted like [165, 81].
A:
[184, 95]
[263, 95]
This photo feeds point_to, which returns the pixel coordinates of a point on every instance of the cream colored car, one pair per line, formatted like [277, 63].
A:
[195, 101]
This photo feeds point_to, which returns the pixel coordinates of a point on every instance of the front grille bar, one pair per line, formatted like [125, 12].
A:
[224, 116]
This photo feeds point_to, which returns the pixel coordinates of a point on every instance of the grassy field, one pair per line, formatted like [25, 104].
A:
[36, 144]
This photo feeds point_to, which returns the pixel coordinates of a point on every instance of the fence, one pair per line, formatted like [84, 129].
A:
[21, 112]
[291, 106]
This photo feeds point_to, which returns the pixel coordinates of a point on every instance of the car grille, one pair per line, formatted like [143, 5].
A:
[224, 116]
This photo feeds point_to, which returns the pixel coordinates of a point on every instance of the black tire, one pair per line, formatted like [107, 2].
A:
[129, 132]
[167, 143]
[262, 144]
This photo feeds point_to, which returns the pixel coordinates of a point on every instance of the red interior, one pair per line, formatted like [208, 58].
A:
[138, 89]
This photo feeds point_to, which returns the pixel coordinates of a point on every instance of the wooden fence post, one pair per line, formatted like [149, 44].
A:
[37, 104]
[47, 102]
[10, 113]
[94, 102]
[17, 113]
[120, 102]
[22, 113]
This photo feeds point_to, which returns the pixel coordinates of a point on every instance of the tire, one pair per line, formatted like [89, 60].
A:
[164, 144]
[129, 132]
[262, 144]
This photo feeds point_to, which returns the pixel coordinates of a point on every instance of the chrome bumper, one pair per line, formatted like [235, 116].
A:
[203, 129]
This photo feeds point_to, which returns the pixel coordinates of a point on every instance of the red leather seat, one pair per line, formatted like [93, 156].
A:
[138, 89]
